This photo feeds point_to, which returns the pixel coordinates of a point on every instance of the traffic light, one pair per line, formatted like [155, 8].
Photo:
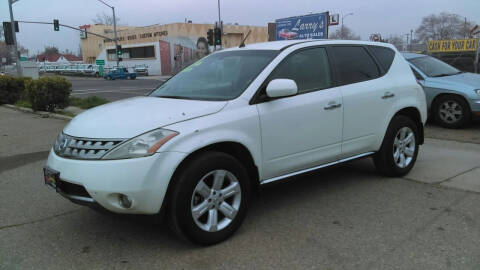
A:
[56, 25]
[7, 32]
[119, 50]
[218, 36]
[210, 36]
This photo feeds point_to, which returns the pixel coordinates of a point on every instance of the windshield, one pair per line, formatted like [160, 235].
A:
[220, 76]
[433, 67]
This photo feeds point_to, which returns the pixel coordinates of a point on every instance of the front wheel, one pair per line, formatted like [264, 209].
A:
[399, 149]
[209, 198]
[451, 112]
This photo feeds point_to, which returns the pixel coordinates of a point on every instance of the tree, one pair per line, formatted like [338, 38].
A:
[396, 41]
[344, 33]
[104, 19]
[50, 50]
[443, 26]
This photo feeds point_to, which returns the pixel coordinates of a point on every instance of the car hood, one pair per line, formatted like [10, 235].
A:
[131, 117]
[463, 80]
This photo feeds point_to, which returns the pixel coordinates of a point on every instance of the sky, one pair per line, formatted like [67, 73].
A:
[387, 17]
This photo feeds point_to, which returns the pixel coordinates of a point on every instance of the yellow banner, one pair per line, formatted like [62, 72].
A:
[453, 45]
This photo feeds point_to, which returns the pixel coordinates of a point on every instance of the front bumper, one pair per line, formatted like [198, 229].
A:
[475, 107]
[144, 180]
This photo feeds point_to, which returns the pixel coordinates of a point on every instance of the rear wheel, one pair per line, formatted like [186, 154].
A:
[451, 112]
[209, 198]
[399, 149]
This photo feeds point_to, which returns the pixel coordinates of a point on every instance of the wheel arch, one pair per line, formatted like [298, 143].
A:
[414, 114]
[235, 149]
[441, 95]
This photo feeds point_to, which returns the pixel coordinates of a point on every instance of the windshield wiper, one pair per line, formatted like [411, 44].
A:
[444, 74]
[174, 97]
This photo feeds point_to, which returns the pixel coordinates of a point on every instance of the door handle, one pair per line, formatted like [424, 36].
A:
[388, 95]
[332, 105]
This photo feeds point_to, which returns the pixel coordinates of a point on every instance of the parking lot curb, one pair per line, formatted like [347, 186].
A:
[42, 114]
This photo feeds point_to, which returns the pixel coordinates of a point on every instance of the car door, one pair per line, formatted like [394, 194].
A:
[304, 130]
[366, 99]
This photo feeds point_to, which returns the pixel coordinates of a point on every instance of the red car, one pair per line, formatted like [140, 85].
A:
[286, 34]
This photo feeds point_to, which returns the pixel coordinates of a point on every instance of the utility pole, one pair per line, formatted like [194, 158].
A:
[411, 38]
[407, 40]
[114, 25]
[220, 21]
[14, 34]
[342, 29]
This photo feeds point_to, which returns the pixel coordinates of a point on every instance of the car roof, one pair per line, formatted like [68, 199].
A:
[280, 45]
[409, 55]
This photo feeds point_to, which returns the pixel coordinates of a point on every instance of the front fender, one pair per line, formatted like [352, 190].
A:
[239, 125]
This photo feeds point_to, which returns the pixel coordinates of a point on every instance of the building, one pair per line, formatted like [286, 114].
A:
[58, 58]
[166, 48]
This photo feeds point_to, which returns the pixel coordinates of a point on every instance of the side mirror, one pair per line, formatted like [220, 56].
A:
[281, 88]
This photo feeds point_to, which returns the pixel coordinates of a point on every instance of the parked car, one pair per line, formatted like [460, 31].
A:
[198, 145]
[453, 96]
[120, 73]
[141, 70]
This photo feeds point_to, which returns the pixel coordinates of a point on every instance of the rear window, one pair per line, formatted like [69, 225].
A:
[384, 56]
[354, 64]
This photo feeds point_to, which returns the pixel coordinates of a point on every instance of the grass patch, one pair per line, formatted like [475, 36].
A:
[67, 113]
[24, 104]
[87, 103]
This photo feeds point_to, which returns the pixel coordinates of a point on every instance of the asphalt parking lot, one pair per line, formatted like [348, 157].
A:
[113, 90]
[347, 217]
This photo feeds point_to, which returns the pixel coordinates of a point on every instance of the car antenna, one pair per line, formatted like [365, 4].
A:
[245, 38]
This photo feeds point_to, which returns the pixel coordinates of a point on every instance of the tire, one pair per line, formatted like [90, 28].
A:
[388, 160]
[451, 111]
[186, 196]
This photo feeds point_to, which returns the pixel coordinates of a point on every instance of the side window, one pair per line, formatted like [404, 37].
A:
[384, 56]
[354, 64]
[308, 68]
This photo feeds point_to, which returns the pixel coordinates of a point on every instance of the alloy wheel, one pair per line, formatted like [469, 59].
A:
[404, 147]
[216, 200]
[450, 112]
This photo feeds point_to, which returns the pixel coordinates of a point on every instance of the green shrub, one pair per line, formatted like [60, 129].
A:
[87, 103]
[48, 93]
[11, 89]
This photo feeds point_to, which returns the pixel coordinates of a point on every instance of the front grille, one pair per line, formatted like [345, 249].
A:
[85, 148]
[71, 189]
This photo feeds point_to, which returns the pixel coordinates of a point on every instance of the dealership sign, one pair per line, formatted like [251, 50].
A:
[453, 45]
[313, 26]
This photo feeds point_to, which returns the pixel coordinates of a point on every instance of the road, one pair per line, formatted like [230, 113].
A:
[112, 90]
[347, 217]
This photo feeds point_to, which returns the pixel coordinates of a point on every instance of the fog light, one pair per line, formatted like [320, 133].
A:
[125, 201]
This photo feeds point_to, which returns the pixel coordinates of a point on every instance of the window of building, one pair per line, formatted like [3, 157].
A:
[354, 64]
[133, 53]
[384, 56]
[308, 68]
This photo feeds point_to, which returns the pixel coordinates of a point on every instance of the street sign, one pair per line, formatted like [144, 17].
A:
[334, 19]
[312, 26]
[100, 62]
[4, 60]
[23, 58]
[453, 45]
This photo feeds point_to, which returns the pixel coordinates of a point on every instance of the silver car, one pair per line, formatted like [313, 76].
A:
[453, 96]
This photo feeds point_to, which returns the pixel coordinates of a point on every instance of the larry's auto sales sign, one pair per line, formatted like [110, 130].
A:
[312, 26]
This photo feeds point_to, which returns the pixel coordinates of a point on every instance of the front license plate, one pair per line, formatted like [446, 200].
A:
[51, 177]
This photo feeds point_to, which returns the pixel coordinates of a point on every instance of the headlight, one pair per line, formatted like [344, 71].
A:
[477, 91]
[60, 143]
[144, 145]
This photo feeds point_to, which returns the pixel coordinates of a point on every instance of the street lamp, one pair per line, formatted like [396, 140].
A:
[14, 34]
[343, 17]
[114, 24]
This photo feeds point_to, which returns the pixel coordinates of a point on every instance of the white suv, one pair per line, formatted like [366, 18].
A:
[197, 146]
